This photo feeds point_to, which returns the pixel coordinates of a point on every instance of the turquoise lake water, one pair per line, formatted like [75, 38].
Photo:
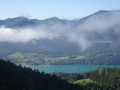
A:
[68, 68]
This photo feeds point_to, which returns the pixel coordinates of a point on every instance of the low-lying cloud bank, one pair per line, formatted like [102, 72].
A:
[24, 35]
[84, 34]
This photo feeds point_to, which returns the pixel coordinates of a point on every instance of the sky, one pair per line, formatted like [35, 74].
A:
[64, 9]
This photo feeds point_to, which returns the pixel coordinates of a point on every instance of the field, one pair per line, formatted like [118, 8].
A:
[35, 58]
[84, 81]
[42, 59]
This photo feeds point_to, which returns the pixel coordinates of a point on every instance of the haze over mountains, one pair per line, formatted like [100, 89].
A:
[59, 37]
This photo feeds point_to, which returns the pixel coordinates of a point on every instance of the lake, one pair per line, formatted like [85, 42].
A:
[68, 68]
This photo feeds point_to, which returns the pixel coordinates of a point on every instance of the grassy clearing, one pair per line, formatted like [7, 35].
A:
[57, 58]
[34, 57]
[22, 55]
[40, 58]
[80, 57]
[16, 55]
[84, 81]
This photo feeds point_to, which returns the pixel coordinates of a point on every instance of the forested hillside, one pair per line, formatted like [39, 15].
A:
[14, 77]
[94, 39]
[102, 78]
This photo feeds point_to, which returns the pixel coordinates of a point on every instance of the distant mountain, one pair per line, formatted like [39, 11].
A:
[18, 22]
[95, 37]
[23, 21]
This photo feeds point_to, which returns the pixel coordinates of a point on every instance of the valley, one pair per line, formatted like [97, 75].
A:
[55, 41]
[41, 59]
[60, 45]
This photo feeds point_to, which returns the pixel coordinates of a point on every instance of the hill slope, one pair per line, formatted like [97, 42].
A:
[14, 77]
[95, 37]
[102, 78]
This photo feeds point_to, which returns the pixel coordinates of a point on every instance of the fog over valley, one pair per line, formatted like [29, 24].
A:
[100, 27]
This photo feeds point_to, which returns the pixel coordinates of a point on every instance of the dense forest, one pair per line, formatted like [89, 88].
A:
[13, 77]
[101, 79]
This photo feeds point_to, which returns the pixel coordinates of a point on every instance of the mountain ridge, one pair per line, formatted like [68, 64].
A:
[27, 20]
[93, 39]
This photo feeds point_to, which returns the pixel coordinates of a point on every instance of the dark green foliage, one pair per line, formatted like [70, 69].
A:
[99, 54]
[105, 78]
[63, 74]
[14, 77]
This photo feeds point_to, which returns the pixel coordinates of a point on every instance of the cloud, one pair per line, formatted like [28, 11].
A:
[94, 29]
[100, 22]
[23, 35]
